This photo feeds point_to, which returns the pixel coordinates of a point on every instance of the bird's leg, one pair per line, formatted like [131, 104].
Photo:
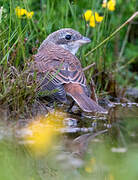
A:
[93, 93]
[71, 105]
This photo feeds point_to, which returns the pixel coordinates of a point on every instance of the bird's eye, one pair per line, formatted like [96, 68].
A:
[68, 37]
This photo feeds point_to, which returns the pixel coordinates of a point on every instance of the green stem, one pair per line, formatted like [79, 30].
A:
[116, 31]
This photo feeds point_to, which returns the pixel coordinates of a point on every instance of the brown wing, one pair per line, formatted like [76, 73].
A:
[57, 66]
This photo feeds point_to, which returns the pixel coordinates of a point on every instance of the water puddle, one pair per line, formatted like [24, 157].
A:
[90, 143]
[75, 123]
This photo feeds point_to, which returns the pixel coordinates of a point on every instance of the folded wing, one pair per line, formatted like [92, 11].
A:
[56, 67]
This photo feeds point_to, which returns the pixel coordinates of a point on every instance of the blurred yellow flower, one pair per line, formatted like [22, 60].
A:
[29, 14]
[104, 5]
[110, 4]
[98, 18]
[110, 177]
[90, 166]
[20, 13]
[92, 21]
[88, 15]
[92, 18]
[44, 130]
[88, 169]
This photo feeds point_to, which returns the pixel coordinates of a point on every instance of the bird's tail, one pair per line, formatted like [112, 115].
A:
[76, 91]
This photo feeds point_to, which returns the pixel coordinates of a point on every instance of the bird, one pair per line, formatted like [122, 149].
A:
[60, 71]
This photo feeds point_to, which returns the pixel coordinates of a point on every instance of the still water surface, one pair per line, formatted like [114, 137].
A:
[90, 147]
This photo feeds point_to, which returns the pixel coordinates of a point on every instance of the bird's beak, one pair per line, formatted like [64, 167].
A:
[84, 40]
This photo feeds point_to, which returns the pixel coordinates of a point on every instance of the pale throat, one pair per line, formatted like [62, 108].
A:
[72, 48]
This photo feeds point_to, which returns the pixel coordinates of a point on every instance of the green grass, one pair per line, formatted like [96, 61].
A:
[20, 38]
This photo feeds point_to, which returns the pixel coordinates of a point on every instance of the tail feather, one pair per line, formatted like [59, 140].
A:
[85, 103]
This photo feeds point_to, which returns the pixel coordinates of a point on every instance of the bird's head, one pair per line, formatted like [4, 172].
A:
[67, 38]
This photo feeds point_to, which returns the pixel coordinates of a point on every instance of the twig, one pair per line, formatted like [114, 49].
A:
[121, 67]
[88, 67]
[116, 31]
[124, 42]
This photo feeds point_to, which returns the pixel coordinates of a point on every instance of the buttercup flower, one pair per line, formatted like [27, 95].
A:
[29, 14]
[92, 21]
[98, 18]
[104, 3]
[110, 4]
[20, 13]
[92, 18]
[88, 15]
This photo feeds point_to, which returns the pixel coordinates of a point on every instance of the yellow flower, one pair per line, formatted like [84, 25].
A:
[111, 5]
[104, 5]
[111, 177]
[98, 18]
[92, 18]
[88, 169]
[29, 15]
[88, 15]
[90, 166]
[43, 131]
[20, 13]
[92, 21]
